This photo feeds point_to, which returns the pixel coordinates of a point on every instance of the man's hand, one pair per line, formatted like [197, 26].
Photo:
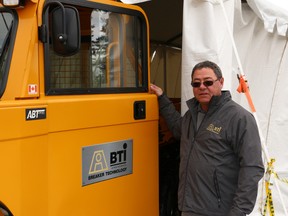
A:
[156, 90]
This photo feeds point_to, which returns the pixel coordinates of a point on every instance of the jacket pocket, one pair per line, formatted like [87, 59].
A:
[197, 189]
[217, 188]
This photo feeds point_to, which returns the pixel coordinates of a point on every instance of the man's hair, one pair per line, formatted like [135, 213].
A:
[208, 64]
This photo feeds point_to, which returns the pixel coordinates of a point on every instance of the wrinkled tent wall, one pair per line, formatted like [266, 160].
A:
[204, 37]
[166, 69]
[264, 57]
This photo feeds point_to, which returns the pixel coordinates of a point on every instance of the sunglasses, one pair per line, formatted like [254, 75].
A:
[205, 83]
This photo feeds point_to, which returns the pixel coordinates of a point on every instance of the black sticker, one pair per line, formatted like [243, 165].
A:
[35, 114]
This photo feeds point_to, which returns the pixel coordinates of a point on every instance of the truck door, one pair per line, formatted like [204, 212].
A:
[103, 123]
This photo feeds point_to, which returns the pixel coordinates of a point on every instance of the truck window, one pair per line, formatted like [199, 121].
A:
[6, 25]
[111, 59]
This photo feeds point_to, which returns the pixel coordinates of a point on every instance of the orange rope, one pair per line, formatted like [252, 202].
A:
[244, 88]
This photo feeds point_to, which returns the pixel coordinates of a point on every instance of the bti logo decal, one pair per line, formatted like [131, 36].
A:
[118, 157]
[98, 163]
[106, 161]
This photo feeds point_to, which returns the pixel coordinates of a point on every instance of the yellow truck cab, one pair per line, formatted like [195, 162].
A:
[79, 128]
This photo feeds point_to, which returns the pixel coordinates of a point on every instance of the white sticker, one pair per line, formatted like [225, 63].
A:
[32, 89]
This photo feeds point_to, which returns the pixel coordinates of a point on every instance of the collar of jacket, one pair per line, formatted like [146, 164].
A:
[214, 102]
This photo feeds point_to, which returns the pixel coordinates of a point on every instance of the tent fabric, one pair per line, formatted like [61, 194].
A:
[273, 13]
[264, 59]
[204, 37]
[166, 69]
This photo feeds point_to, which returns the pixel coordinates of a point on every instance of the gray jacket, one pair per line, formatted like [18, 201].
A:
[221, 162]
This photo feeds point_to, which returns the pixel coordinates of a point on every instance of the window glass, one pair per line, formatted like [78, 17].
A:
[6, 23]
[110, 58]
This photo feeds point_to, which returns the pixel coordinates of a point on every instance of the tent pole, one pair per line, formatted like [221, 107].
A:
[165, 68]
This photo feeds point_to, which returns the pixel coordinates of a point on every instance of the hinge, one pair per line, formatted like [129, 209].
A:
[42, 33]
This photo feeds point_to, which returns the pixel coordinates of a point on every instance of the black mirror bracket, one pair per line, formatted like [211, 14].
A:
[61, 37]
[65, 35]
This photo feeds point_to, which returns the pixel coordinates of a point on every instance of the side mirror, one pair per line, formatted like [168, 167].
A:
[66, 34]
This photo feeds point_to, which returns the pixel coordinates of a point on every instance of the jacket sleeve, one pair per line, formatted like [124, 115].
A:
[247, 146]
[171, 115]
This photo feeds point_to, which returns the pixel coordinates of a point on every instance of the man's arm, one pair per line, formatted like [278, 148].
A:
[168, 111]
[248, 148]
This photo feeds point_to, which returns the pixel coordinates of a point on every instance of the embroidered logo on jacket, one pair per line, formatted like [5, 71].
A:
[214, 129]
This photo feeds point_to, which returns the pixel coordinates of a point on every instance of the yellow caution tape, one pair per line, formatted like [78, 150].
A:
[271, 171]
[281, 179]
[269, 201]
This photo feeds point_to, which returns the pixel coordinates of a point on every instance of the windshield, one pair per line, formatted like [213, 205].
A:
[6, 23]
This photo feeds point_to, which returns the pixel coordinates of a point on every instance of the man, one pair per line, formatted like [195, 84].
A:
[220, 148]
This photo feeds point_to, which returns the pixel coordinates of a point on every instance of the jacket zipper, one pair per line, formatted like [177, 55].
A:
[216, 184]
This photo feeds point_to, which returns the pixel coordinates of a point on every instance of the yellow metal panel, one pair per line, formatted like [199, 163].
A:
[13, 113]
[24, 63]
[42, 162]
[135, 194]
[72, 112]
[24, 170]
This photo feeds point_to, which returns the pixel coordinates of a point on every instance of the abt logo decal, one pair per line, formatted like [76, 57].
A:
[106, 161]
[35, 114]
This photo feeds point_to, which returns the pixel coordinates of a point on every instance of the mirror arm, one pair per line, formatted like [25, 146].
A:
[62, 37]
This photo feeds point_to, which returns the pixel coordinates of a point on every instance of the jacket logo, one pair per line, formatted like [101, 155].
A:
[214, 129]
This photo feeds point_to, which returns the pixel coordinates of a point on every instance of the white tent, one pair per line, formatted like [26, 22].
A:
[259, 30]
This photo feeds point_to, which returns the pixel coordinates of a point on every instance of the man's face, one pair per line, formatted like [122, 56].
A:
[204, 93]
